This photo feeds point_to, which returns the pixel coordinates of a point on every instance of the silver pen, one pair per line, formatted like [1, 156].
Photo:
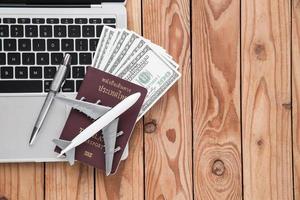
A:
[56, 84]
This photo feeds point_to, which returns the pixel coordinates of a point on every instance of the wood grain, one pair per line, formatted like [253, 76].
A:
[168, 127]
[296, 94]
[22, 181]
[266, 99]
[128, 182]
[64, 182]
[216, 96]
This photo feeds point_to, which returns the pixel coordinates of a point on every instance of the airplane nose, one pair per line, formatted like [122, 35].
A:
[136, 96]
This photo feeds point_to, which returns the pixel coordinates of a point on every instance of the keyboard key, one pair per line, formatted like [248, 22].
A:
[0, 45]
[80, 21]
[47, 85]
[49, 72]
[109, 20]
[21, 86]
[36, 72]
[38, 21]
[112, 26]
[68, 86]
[9, 20]
[74, 31]
[67, 21]
[81, 45]
[56, 58]
[16, 31]
[7, 73]
[78, 72]
[99, 30]
[31, 31]
[88, 31]
[21, 72]
[25, 45]
[95, 21]
[2, 59]
[45, 31]
[53, 45]
[93, 44]
[52, 21]
[74, 58]
[60, 31]
[85, 58]
[10, 45]
[23, 20]
[13, 59]
[28, 58]
[39, 45]
[67, 45]
[78, 84]
[3, 30]
[42, 58]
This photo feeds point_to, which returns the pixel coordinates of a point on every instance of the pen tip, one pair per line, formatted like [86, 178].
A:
[33, 136]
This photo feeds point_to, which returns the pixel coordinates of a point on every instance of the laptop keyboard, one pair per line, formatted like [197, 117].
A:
[32, 48]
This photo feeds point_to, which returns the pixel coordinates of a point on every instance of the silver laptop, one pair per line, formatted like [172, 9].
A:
[34, 35]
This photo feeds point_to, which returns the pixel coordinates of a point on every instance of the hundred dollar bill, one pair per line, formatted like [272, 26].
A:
[130, 66]
[111, 34]
[125, 50]
[115, 49]
[100, 45]
[126, 56]
[149, 70]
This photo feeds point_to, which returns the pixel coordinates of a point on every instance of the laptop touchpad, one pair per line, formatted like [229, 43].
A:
[17, 119]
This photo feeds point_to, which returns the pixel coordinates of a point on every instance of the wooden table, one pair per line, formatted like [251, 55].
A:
[228, 130]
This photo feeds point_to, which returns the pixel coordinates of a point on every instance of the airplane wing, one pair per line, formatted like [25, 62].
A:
[92, 110]
[110, 135]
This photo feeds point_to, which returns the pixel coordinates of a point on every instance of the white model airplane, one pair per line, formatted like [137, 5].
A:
[106, 119]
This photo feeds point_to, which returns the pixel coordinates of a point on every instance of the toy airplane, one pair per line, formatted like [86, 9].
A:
[106, 119]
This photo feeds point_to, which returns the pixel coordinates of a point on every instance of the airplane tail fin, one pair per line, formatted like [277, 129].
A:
[70, 155]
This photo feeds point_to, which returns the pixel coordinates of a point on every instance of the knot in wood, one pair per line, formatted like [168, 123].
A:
[3, 198]
[260, 142]
[287, 106]
[260, 51]
[150, 127]
[218, 168]
[171, 135]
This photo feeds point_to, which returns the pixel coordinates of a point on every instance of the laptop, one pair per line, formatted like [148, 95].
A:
[34, 36]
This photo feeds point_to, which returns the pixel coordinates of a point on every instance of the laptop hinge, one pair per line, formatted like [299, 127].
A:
[96, 5]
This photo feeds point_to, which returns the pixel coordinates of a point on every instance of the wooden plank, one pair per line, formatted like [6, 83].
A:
[296, 94]
[22, 181]
[168, 126]
[128, 182]
[266, 99]
[64, 182]
[216, 94]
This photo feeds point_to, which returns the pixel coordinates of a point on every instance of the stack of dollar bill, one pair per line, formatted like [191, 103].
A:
[129, 56]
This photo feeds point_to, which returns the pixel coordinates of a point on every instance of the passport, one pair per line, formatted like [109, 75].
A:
[110, 90]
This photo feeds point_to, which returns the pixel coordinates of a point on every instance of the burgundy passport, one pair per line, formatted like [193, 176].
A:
[110, 90]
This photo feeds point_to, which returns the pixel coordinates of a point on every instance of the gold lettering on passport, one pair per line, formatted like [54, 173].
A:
[117, 92]
[88, 154]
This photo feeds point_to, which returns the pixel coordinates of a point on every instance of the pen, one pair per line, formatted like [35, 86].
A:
[55, 86]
